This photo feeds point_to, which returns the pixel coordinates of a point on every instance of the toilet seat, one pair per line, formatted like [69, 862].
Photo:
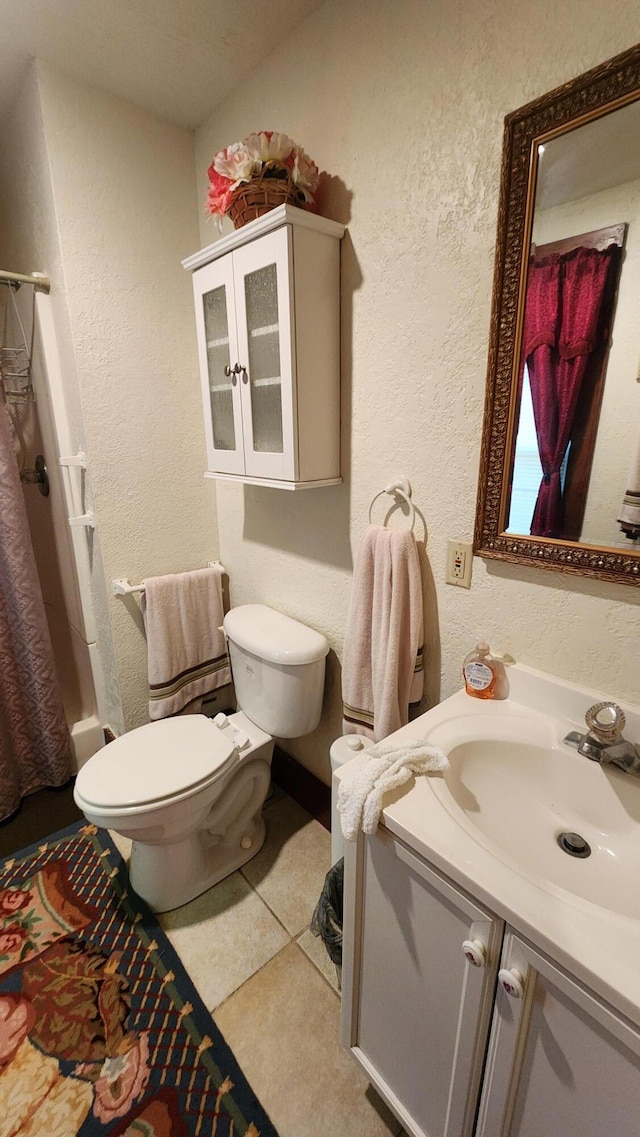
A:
[156, 763]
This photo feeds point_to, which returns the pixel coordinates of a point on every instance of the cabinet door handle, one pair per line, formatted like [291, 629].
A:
[475, 952]
[512, 981]
[233, 372]
[245, 377]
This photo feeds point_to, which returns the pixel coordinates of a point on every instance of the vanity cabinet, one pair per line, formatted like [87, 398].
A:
[416, 1013]
[559, 1060]
[268, 329]
[463, 1027]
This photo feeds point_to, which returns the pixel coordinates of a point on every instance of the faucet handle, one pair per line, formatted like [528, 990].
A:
[606, 721]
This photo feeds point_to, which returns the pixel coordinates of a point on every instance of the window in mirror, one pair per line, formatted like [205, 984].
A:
[527, 469]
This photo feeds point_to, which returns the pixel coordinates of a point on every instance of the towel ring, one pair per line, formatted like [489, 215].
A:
[399, 487]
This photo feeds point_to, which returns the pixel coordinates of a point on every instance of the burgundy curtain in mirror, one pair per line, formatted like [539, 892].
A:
[562, 326]
[35, 749]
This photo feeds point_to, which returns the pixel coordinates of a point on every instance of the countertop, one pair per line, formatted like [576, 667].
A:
[599, 947]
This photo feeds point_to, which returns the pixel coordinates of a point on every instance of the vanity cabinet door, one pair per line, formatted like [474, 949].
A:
[559, 1060]
[416, 1011]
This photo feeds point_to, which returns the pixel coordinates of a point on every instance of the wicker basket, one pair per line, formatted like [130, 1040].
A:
[259, 196]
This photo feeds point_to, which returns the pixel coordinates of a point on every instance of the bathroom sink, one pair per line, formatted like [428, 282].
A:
[515, 788]
[490, 824]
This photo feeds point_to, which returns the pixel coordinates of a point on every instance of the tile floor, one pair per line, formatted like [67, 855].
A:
[271, 986]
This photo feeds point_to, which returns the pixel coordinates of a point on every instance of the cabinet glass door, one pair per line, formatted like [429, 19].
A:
[216, 327]
[265, 319]
[217, 345]
[261, 298]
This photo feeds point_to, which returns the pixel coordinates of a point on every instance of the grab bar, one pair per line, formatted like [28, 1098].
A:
[74, 494]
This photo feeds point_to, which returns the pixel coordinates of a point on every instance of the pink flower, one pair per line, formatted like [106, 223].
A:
[12, 938]
[220, 192]
[305, 173]
[13, 899]
[17, 1016]
[122, 1079]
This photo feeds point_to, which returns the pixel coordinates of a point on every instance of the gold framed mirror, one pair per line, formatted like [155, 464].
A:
[570, 190]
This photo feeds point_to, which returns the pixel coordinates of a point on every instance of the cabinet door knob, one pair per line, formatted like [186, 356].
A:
[245, 377]
[233, 372]
[512, 981]
[475, 952]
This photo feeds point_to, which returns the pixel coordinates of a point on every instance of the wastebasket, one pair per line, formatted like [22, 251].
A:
[326, 921]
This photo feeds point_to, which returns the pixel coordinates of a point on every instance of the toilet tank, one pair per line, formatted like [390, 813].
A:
[278, 669]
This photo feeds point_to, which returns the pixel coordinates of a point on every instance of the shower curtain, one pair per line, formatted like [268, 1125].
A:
[35, 748]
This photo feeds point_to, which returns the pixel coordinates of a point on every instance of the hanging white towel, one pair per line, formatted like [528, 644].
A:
[387, 765]
[187, 655]
[629, 516]
[382, 662]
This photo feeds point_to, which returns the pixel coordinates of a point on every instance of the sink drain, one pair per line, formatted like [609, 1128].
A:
[574, 845]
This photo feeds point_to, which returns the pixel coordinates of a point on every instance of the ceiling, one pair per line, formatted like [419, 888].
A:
[177, 58]
[590, 158]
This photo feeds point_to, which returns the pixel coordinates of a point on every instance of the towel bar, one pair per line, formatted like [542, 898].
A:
[399, 487]
[122, 587]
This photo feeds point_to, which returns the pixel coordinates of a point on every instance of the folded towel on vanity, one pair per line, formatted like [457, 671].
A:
[387, 765]
[187, 655]
[382, 661]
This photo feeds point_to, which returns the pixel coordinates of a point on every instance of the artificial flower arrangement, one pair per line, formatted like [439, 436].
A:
[264, 170]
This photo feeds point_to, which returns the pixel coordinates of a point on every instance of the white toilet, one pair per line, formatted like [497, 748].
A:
[189, 790]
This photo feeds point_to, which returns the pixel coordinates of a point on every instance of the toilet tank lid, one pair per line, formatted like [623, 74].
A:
[272, 636]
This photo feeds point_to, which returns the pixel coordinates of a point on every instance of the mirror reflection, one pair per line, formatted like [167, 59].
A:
[575, 450]
[573, 459]
[564, 207]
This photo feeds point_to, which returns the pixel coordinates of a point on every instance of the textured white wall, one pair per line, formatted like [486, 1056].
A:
[123, 186]
[403, 104]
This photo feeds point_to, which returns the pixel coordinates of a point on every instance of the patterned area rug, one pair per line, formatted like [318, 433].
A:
[101, 1029]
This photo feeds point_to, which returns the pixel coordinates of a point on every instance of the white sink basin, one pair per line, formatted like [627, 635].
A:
[514, 787]
[491, 823]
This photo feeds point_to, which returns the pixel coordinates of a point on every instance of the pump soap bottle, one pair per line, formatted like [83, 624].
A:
[480, 672]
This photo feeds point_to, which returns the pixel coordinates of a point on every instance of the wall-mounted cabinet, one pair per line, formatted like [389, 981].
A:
[267, 302]
[462, 1025]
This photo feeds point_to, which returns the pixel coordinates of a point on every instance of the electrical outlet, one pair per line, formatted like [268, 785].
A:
[459, 563]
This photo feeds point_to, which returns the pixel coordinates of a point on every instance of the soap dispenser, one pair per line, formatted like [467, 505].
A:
[480, 671]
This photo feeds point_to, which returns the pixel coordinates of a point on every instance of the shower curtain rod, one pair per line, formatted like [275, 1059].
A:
[40, 282]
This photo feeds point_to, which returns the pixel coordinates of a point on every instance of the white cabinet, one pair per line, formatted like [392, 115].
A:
[452, 1052]
[268, 326]
[560, 1061]
[416, 1012]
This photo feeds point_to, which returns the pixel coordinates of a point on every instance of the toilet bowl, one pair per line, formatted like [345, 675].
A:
[188, 791]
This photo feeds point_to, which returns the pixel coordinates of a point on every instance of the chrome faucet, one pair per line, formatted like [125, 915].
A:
[603, 741]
